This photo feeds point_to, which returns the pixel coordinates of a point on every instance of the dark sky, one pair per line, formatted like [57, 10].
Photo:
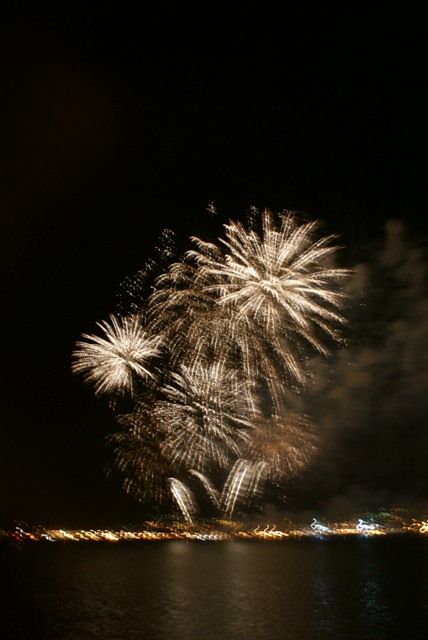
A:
[115, 125]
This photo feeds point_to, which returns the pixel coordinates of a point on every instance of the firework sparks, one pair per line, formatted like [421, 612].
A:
[281, 280]
[204, 417]
[242, 484]
[184, 498]
[209, 487]
[138, 457]
[223, 346]
[284, 444]
[255, 299]
[112, 364]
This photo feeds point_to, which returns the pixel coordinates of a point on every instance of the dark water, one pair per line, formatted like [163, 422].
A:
[370, 589]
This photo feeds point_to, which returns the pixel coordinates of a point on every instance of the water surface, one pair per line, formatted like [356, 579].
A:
[375, 589]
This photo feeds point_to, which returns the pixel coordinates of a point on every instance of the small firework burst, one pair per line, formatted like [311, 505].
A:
[114, 363]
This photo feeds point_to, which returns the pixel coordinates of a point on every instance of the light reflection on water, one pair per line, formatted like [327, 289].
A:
[312, 590]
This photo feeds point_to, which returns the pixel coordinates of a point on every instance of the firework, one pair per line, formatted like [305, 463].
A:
[280, 280]
[242, 484]
[205, 417]
[284, 444]
[183, 498]
[113, 364]
[209, 357]
[138, 457]
[211, 491]
[254, 300]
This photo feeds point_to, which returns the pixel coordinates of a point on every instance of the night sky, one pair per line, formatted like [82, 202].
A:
[115, 126]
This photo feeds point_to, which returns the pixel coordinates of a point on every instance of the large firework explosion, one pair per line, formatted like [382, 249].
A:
[209, 354]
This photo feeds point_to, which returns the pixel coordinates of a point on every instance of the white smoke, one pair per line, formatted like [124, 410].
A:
[370, 399]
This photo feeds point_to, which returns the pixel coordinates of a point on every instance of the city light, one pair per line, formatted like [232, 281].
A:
[393, 523]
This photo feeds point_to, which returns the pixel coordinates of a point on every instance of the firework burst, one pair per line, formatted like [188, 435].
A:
[280, 281]
[113, 364]
[224, 344]
[204, 416]
[256, 298]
